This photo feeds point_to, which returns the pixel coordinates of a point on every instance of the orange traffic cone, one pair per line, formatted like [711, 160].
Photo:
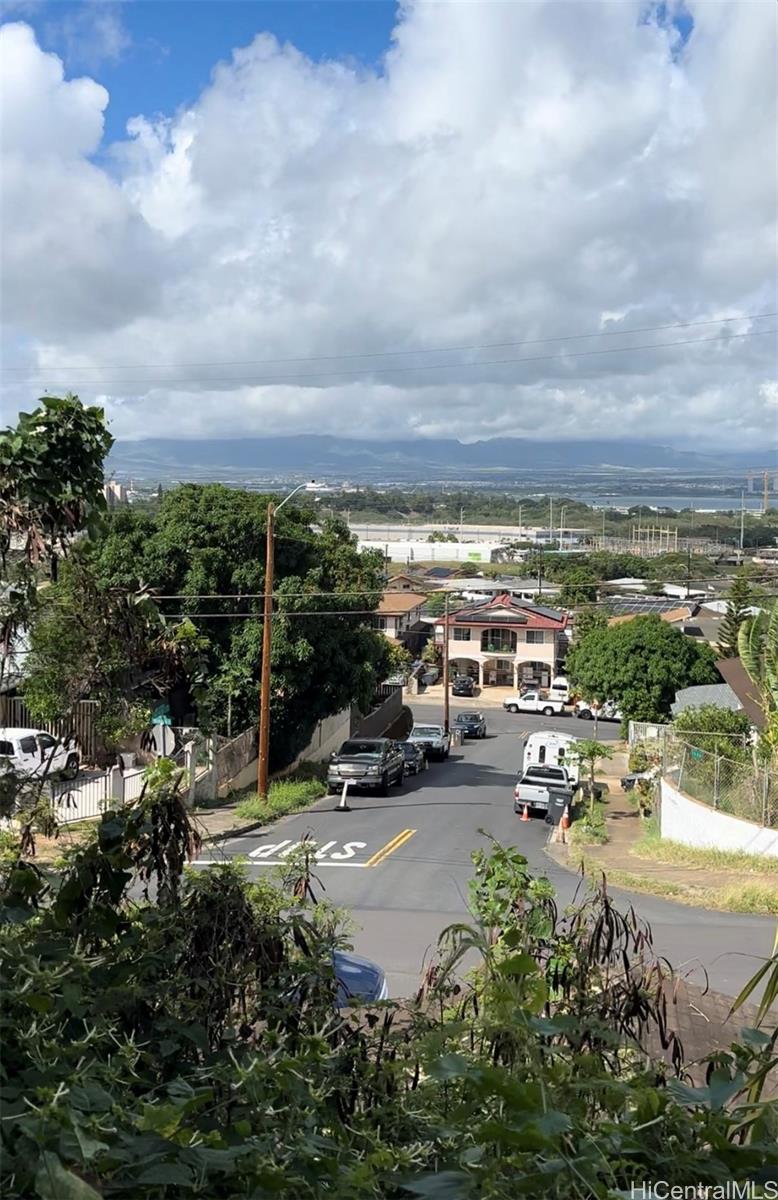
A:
[525, 815]
[565, 822]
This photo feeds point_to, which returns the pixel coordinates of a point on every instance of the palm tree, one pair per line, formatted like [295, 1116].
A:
[758, 649]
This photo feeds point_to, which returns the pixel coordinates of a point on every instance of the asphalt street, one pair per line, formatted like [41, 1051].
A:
[400, 864]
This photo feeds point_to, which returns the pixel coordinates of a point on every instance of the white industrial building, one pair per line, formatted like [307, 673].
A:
[444, 552]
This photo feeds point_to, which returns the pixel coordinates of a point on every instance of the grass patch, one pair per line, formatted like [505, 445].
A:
[652, 846]
[285, 796]
[754, 897]
[589, 829]
[749, 898]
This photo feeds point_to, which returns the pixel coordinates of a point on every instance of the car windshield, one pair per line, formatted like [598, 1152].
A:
[371, 749]
[409, 750]
[546, 772]
[425, 731]
[469, 717]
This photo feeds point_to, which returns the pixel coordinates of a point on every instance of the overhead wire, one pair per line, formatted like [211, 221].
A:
[461, 349]
[417, 367]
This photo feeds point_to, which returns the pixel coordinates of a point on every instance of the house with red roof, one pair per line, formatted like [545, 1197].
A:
[505, 642]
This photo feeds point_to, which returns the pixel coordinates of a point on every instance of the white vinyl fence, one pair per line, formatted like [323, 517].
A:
[85, 798]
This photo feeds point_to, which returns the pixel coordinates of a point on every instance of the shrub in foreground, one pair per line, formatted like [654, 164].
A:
[189, 1045]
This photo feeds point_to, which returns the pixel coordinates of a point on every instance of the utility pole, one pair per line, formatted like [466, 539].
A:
[550, 520]
[446, 634]
[263, 749]
[540, 572]
[689, 571]
[267, 645]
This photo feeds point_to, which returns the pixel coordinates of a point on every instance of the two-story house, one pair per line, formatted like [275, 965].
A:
[505, 642]
[398, 615]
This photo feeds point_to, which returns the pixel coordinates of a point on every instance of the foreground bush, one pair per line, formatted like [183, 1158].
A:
[185, 1043]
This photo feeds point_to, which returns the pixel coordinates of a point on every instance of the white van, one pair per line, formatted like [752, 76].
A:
[35, 752]
[551, 749]
[559, 689]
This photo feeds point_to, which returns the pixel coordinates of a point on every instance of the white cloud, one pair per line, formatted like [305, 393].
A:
[518, 171]
[92, 34]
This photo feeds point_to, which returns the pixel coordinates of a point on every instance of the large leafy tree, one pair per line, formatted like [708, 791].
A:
[51, 488]
[579, 587]
[201, 554]
[51, 475]
[739, 600]
[641, 664]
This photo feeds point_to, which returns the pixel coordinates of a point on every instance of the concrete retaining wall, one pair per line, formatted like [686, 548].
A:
[684, 820]
[376, 723]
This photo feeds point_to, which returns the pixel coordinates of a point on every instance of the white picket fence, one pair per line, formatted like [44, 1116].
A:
[84, 799]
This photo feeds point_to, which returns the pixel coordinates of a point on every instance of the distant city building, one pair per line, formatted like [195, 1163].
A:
[115, 493]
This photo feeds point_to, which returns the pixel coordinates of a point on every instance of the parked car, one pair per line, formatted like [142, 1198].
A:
[534, 702]
[463, 685]
[472, 724]
[607, 711]
[35, 752]
[433, 739]
[430, 676]
[366, 762]
[414, 757]
[532, 788]
[359, 979]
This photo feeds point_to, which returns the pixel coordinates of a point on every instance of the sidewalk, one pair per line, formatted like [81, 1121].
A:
[702, 885]
[213, 824]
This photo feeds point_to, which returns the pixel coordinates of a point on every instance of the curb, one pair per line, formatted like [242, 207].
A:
[238, 831]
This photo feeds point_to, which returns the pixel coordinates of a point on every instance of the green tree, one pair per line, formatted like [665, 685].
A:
[51, 488]
[435, 604]
[110, 645]
[51, 475]
[640, 664]
[579, 587]
[589, 752]
[200, 554]
[712, 728]
[739, 600]
[588, 619]
[398, 658]
[758, 646]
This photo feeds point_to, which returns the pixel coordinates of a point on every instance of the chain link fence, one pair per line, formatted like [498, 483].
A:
[727, 777]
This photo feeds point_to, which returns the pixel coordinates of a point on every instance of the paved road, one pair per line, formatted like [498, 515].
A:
[400, 864]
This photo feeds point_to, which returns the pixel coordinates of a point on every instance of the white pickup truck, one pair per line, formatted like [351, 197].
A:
[534, 702]
[532, 787]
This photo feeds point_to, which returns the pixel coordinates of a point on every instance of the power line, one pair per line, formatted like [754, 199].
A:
[254, 362]
[493, 362]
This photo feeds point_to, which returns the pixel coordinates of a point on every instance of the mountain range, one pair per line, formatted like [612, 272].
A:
[329, 456]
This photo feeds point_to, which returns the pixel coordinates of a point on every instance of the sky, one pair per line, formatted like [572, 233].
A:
[468, 219]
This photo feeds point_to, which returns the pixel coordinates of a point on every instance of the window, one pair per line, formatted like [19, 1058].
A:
[28, 745]
[504, 664]
[46, 742]
[461, 635]
[536, 636]
[6, 749]
[380, 622]
[498, 641]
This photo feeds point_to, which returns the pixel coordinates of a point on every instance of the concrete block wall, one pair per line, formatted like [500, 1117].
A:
[685, 820]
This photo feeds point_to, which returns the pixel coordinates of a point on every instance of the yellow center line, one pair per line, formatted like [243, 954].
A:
[399, 840]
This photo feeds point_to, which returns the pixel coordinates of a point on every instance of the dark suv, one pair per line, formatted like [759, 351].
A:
[463, 685]
[472, 724]
[366, 762]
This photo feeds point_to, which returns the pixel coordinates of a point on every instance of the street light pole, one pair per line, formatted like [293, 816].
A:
[446, 713]
[263, 748]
